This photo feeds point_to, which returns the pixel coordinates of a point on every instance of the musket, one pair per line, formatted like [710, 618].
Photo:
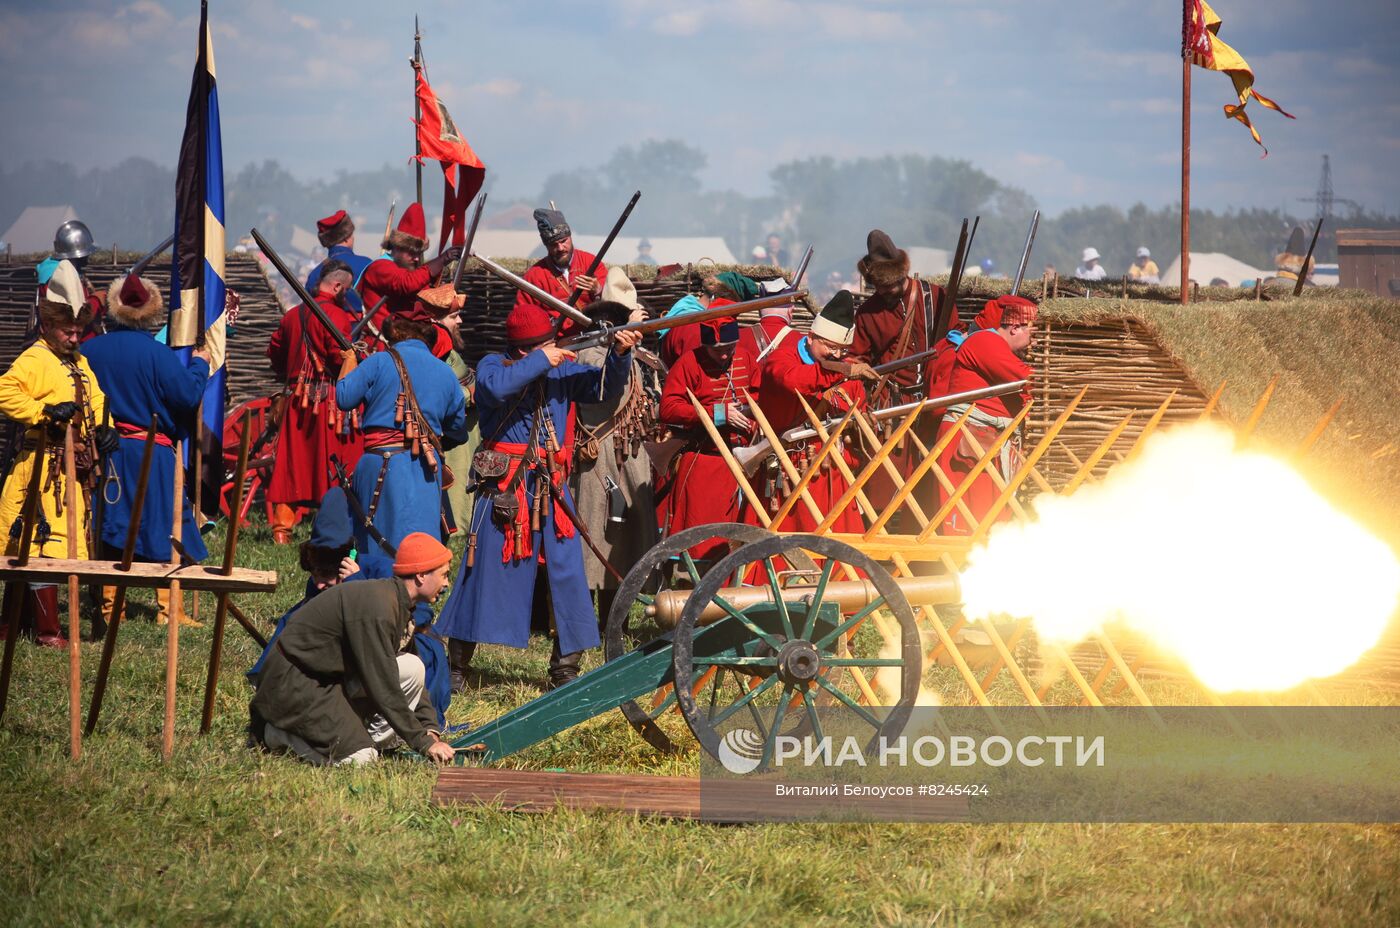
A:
[1026, 253]
[751, 456]
[544, 296]
[801, 269]
[389, 223]
[604, 333]
[1303, 271]
[144, 261]
[467, 247]
[366, 318]
[607, 243]
[301, 293]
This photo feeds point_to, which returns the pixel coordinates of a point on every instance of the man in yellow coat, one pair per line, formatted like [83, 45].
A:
[50, 385]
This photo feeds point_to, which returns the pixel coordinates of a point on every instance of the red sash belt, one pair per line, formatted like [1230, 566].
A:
[519, 539]
[383, 438]
[138, 432]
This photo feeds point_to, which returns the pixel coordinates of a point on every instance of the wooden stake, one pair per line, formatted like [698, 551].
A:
[785, 462]
[1252, 422]
[216, 647]
[929, 462]
[727, 455]
[133, 529]
[75, 632]
[830, 445]
[14, 592]
[1087, 467]
[1307, 443]
[172, 626]
[880, 457]
[1213, 402]
[976, 471]
[1149, 428]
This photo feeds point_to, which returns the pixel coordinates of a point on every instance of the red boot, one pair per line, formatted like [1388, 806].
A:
[43, 610]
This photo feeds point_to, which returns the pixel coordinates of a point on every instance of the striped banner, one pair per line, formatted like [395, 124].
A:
[197, 272]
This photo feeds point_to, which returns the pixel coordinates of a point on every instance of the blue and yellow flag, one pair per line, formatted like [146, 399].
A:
[197, 273]
[1207, 51]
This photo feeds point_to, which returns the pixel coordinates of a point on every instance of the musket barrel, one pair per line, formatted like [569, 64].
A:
[1026, 253]
[891, 412]
[544, 296]
[850, 595]
[145, 260]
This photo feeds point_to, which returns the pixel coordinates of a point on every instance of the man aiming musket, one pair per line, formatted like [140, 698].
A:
[562, 272]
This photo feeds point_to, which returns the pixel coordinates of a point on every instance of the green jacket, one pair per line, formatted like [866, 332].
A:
[355, 630]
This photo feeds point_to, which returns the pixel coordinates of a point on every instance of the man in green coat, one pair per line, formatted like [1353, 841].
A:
[338, 687]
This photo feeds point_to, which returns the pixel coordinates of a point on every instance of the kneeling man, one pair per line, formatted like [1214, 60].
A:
[338, 687]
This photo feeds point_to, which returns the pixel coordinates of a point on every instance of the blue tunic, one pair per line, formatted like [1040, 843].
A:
[357, 263]
[142, 377]
[410, 499]
[490, 601]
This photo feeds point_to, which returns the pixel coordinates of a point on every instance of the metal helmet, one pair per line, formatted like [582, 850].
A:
[72, 240]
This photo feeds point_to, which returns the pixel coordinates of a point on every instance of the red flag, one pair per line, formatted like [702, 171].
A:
[462, 171]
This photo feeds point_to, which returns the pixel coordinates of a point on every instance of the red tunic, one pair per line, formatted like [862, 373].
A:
[546, 276]
[786, 374]
[766, 330]
[880, 320]
[700, 490]
[304, 355]
[983, 359]
[385, 278]
[683, 339]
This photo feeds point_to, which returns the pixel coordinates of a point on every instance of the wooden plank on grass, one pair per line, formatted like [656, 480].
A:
[193, 577]
[744, 800]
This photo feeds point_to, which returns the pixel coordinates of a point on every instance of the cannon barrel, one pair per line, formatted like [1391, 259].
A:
[850, 595]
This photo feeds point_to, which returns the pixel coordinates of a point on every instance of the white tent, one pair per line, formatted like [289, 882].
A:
[691, 250]
[1208, 265]
[33, 230]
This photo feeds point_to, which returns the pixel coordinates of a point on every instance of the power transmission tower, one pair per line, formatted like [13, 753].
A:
[1326, 200]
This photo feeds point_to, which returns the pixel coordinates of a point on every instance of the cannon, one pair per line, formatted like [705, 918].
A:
[789, 624]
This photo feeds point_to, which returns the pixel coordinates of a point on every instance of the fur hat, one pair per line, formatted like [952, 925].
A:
[134, 301]
[552, 225]
[527, 325]
[52, 312]
[335, 228]
[883, 264]
[412, 232]
[837, 320]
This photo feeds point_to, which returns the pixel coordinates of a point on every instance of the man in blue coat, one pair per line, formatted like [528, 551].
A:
[526, 406]
[337, 235]
[406, 426]
[143, 378]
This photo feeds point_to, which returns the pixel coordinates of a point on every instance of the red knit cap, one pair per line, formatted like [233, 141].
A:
[1016, 310]
[419, 553]
[528, 324]
[331, 221]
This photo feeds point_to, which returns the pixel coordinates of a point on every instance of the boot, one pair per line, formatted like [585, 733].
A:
[563, 668]
[165, 605]
[43, 610]
[284, 519]
[459, 658]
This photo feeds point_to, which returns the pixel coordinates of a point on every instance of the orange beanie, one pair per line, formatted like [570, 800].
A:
[419, 553]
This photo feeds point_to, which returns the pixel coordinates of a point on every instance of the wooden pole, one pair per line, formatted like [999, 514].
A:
[216, 647]
[75, 633]
[172, 626]
[247, 624]
[417, 111]
[133, 529]
[1257, 413]
[1185, 157]
[734, 468]
[784, 462]
[14, 592]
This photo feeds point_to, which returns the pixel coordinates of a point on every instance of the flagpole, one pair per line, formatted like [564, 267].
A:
[417, 109]
[1185, 152]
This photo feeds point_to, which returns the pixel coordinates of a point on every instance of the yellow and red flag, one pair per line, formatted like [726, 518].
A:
[1203, 44]
[462, 171]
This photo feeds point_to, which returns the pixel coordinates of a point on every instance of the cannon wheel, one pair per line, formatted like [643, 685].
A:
[789, 671]
[638, 586]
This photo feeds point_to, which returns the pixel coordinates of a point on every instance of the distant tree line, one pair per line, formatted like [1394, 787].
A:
[822, 201]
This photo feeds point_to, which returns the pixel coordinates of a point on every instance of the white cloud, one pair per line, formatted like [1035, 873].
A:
[504, 87]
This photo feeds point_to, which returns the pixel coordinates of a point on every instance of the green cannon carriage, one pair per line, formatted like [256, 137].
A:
[795, 624]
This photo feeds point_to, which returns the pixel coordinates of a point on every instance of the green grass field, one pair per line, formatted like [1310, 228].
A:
[223, 835]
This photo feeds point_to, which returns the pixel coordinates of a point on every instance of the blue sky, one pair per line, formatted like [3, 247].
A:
[1076, 102]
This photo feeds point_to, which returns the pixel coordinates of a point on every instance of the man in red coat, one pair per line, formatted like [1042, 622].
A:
[940, 375]
[893, 324]
[562, 269]
[985, 358]
[720, 290]
[808, 366]
[307, 359]
[401, 272]
[699, 488]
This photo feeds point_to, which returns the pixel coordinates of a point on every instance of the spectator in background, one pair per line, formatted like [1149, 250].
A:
[644, 253]
[1219, 282]
[1143, 269]
[1089, 267]
[759, 255]
[777, 254]
[989, 267]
